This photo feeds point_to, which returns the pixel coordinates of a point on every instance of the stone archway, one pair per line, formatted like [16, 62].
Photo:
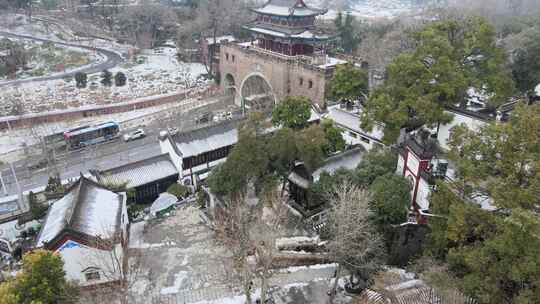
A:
[256, 93]
[230, 85]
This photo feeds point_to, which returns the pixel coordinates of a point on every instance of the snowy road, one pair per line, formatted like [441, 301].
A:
[113, 59]
[106, 155]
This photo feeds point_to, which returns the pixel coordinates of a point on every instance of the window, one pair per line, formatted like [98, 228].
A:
[227, 56]
[301, 81]
[310, 84]
[353, 135]
[92, 274]
[364, 139]
[233, 57]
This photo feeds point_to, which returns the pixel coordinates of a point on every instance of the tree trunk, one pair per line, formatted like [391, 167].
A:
[247, 291]
[264, 287]
[334, 288]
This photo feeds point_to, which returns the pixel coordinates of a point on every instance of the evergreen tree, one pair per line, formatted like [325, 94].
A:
[375, 163]
[390, 202]
[349, 39]
[106, 78]
[494, 252]
[349, 83]
[293, 112]
[451, 57]
[526, 65]
[41, 280]
[334, 138]
[120, 79]
[81, 80]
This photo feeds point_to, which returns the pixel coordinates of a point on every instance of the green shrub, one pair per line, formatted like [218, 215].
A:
[178, 190]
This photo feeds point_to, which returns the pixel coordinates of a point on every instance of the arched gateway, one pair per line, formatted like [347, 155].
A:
[285, 57]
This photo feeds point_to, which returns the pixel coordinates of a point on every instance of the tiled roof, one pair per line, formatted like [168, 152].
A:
[346, 160]
[139, 173]
[288, 8]
[207, 139]
[289, 32]
[87, 208]
[351, 121]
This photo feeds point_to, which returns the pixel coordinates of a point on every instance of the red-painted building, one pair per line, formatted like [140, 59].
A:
[288, 27]
[418, 164]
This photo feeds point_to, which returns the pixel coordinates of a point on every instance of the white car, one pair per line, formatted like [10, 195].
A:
[139, 133]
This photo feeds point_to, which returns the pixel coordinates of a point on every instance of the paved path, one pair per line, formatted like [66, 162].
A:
[113, 59]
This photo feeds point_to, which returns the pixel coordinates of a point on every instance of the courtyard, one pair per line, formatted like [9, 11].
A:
[185, 263]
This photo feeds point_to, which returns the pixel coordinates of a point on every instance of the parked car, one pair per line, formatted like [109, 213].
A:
[42, 163]
[139, 133]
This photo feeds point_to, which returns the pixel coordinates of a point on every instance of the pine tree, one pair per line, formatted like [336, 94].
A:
[106, 78]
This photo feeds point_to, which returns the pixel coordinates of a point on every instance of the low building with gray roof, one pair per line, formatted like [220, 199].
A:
[148, 177]
[195, 153]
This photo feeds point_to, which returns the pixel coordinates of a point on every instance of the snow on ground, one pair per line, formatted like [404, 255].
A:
[48, 60]
[299, 268]
[373, 9]
[136, 239]
[155, 74]
[179, 280]
[150, 72]
[19, 138]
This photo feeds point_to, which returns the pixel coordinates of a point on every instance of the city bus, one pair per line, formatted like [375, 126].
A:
[90, 135]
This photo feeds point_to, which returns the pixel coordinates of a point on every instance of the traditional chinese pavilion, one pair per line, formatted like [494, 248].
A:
[288, 27]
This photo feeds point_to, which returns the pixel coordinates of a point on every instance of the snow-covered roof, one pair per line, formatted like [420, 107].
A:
[88, 208]
[347, 160]
[220, 39]
[9, 204]
[139, 173]
[314, 115]
[207, 139]
[164, 201]
[331, 61]
[299, 180]
[288, 8]
[351, 121]
[286, 32]
[268, 32]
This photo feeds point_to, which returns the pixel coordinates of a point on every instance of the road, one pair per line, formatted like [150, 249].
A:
[103, 156]
[113, 59]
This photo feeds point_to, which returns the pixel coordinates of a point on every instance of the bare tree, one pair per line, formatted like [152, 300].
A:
[218, 17]
[265, 233]
[146, 24]
[354, 243]
[233, 223]
[186, 76]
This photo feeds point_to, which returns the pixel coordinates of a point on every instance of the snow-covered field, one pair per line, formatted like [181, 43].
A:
[156, 73]
[370, 8]
[150, 72]
[47, 59]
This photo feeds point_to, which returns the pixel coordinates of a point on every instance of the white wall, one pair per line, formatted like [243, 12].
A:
[78, 257]
[350, 139]
[459, 118]
[413, 163]
[167, 147]
[423, 194]
[124, 221]
[400, 165]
